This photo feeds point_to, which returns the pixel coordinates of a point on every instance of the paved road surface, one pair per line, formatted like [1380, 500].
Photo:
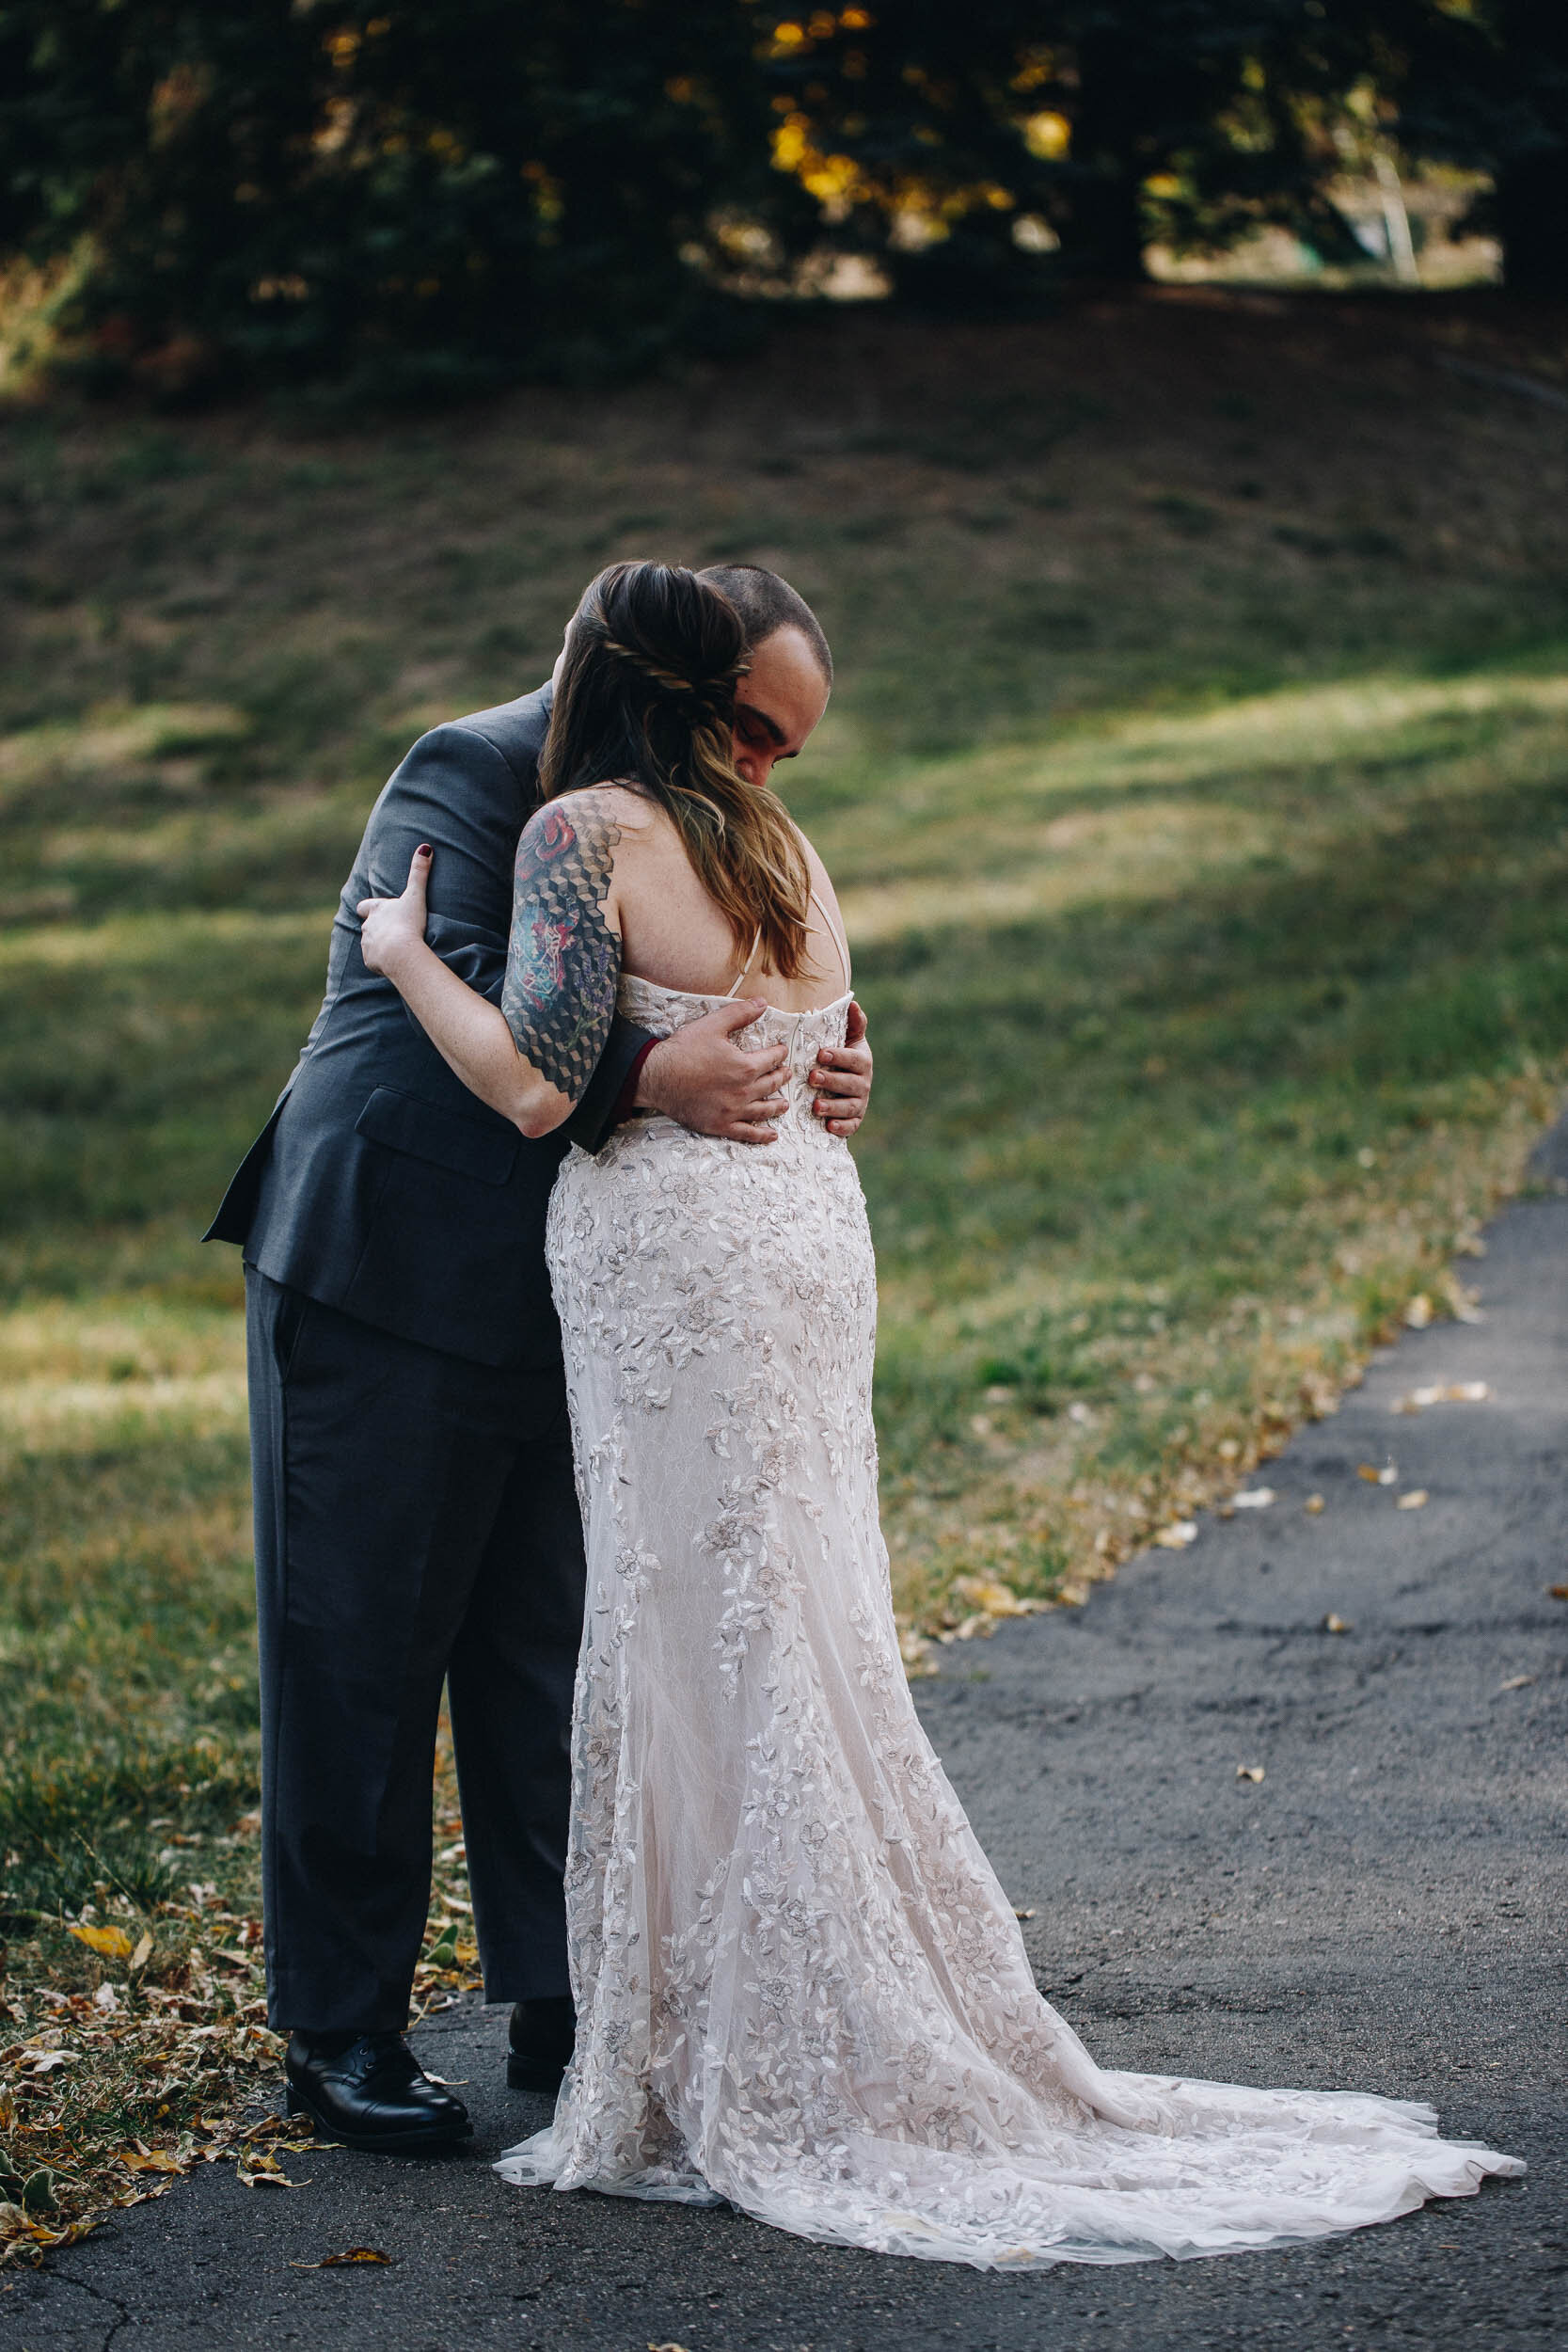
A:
[1385, 1911]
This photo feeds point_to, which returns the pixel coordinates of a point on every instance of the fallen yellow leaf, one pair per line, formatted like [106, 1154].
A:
[341, 2262]
[40, 2234]
[264, 2171]
[1249, 1771]
[108, 1943]
[1414, 1500]
[1455, 1392]
[135, 2161]
[988, 1595]
[1314, 1503]
[142, 1954]
[1178, 1536]
[1516, 1683]
[1336, 1624]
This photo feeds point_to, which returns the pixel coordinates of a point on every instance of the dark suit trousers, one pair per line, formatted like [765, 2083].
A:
[416, 1522]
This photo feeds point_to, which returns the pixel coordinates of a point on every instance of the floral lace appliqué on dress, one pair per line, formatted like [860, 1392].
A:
[799, 1985]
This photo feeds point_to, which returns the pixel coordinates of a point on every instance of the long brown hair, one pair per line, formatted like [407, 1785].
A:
[647, 695]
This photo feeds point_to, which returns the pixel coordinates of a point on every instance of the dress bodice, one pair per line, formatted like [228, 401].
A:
[663, 1011]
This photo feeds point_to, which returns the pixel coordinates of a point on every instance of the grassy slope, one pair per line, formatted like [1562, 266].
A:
[1197, 784]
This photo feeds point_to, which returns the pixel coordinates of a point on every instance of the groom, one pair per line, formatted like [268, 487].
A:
[416, 1516]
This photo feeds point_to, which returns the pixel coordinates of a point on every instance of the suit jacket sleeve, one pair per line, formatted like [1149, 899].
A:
[474, 833]
[594, 1121]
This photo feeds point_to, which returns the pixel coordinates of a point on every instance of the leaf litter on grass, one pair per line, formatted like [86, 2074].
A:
[108, 2102]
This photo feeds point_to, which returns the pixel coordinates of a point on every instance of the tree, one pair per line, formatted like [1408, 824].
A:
[409, 195]
[1490, 89]
[939, 131]
[419, 195]
[1043, 127]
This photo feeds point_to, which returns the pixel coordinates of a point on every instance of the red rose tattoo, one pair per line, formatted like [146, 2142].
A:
[555, 833]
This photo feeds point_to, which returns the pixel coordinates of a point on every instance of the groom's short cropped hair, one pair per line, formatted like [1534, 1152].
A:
[764, 603]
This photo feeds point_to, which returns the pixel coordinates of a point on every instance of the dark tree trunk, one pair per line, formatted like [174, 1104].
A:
[1104, 235]
[1530, 206]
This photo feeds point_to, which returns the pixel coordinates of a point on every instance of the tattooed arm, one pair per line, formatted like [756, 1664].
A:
[533, 1059]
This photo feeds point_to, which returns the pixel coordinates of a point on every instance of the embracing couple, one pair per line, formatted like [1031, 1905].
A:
[561, 1182]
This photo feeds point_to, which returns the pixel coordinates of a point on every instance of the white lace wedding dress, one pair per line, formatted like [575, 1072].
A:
[799, 1985]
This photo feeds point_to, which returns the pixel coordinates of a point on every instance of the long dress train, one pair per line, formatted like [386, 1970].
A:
[799, 1985]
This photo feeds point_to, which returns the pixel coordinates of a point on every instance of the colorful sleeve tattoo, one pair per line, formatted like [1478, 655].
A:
[564, 961]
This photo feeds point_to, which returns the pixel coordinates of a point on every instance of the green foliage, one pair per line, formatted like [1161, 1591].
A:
[1097, 119]
[967, 122]
[406, 201]
[418, 200]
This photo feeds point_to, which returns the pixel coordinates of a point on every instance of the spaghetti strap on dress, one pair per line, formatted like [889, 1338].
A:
[840, 945]
[734, 989]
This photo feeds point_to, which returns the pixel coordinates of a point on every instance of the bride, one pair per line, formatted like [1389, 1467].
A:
[799, 1984]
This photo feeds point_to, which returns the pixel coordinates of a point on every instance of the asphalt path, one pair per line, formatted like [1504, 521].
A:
[1382, 1910]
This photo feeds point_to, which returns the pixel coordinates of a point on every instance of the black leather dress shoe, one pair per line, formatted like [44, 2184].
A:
[540, 2037]
[372, 2095]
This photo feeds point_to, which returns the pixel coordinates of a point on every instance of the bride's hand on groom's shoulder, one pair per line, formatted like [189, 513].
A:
[703, 1080]
[388, 928]
[841, 1078]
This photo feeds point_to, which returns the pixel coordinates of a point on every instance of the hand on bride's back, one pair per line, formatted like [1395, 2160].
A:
[701, 1078]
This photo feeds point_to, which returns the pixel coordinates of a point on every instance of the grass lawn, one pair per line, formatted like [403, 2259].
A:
[1197, 785]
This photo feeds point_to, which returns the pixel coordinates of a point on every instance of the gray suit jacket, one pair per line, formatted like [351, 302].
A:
[380, 1184]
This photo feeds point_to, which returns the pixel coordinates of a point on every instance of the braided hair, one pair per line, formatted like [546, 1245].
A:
[654, 657]
[699, 698]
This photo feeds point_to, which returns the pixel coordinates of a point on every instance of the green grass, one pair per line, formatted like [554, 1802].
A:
[1175, 1152]
[1197, 787]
